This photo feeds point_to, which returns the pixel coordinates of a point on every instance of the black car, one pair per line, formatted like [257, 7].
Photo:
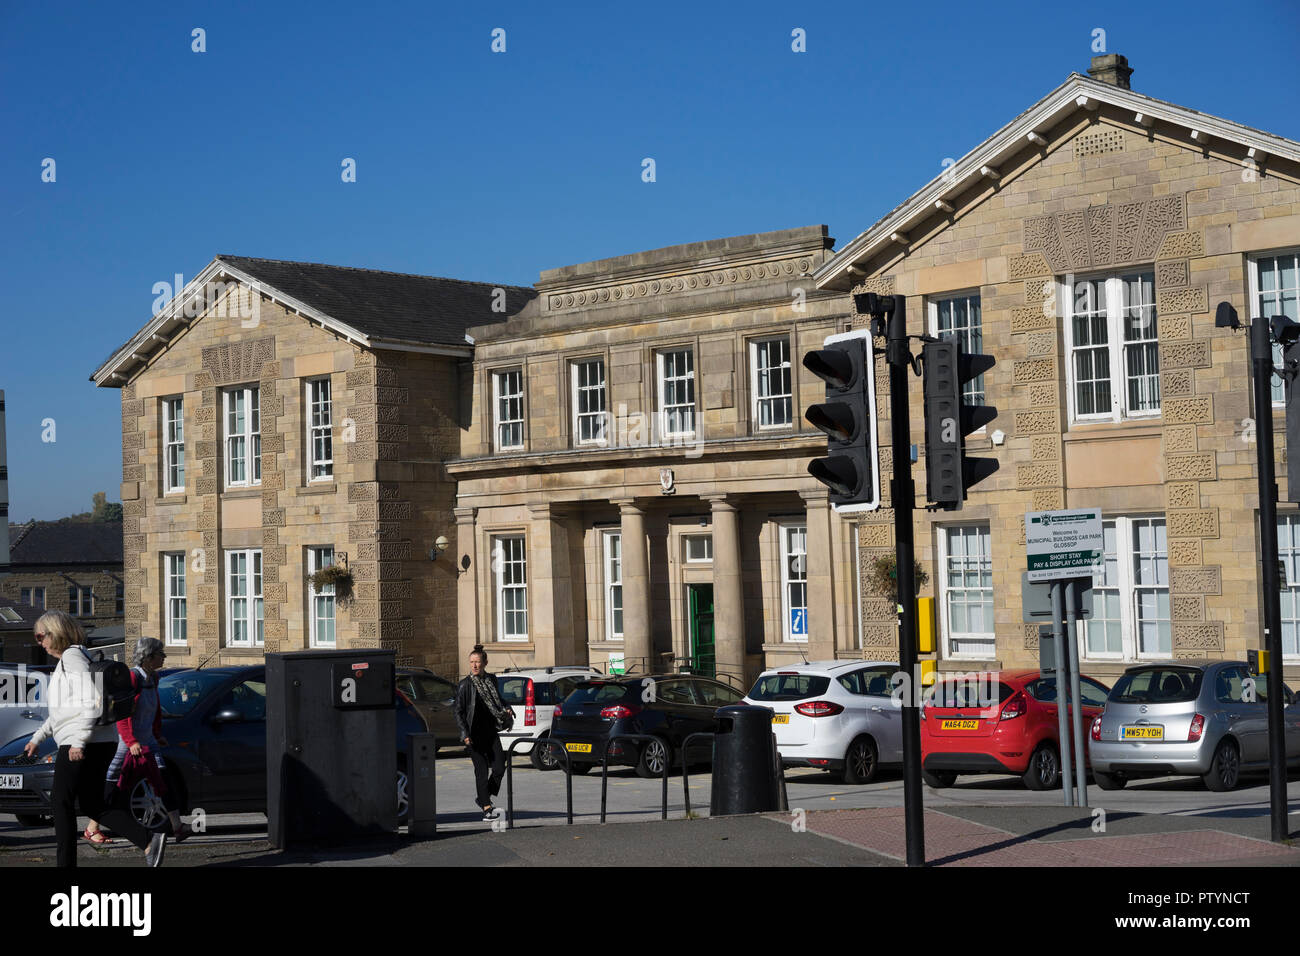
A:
[669, 707]
[435, 698]
[214, 722]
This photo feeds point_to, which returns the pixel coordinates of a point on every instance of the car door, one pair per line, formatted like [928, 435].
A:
[438, 704]
[1246, 714]
[712, 695]
[233, 750]
[884, 719]
[680, 711]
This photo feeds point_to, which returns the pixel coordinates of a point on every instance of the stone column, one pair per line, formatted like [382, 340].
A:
[542, 585]
[821, 591]
[637, 643]
[467, 586]
[728, 597]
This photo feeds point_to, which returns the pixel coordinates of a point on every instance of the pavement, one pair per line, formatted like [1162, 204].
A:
[963, 836]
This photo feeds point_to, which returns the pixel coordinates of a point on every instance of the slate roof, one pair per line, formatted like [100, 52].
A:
[30, 615]
[67, 542]
[390, 306]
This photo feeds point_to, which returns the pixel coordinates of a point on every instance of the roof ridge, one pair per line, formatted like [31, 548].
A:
[387, 272]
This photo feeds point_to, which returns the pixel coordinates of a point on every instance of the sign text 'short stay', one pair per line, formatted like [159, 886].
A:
[1063, 544]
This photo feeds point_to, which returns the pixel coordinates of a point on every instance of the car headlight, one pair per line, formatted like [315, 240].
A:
[48, 758]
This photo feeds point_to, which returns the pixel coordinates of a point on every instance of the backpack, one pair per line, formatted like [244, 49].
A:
[113, 680]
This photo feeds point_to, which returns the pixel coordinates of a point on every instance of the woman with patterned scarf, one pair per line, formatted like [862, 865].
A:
[481, 716]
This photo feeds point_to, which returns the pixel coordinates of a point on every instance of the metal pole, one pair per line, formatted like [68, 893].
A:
[1076, 698]
[903, 498]
[1062, 721]
[1261, 360]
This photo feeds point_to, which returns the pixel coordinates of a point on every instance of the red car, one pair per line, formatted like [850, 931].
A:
[998, 722]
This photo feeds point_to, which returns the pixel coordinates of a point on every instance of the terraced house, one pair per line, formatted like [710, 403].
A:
[279, 418]
[1085, 245]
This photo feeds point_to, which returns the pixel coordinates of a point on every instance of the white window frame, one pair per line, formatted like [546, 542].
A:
[686, 545]
[1278, 392]
[793, 575]
[1128, 588]
[510, 552]
[319, 419]
[250, 436]
[175, 601]
[173, 445]
[972, 340]
[499, 377]
[1115, 345]
[321, 556]
[598, 393]
[1288, 552]
[760, 375]
[253, 616]
[686, 408]
[611, 550]
[986, 640]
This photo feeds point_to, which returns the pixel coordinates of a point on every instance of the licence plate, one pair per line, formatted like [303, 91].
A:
[578, 748]
[11, 781]
[780, 718]
[1142, 733]
[959, 725]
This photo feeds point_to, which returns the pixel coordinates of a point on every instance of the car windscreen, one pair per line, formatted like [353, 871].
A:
[181, 693]
[777, 687]
[1158, 685]
[514, 691]
[976, 691]
[599, 693]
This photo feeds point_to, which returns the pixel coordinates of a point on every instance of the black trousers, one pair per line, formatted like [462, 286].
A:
[489, 766]
[82, 781]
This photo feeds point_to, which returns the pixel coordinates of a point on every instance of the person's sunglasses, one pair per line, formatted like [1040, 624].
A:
[41, 637]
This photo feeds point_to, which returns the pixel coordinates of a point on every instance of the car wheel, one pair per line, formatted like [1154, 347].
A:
[1225, 769]
[403, 797]
[32, 820]
[543, 757]
[939, 778]
[147, 807]
[653, 757]
[1109, 781]
[1044, 770]
[861, 763]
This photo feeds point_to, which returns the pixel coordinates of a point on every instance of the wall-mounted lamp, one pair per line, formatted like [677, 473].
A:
[439, 545]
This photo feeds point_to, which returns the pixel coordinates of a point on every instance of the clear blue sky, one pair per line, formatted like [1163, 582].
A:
[494, 166]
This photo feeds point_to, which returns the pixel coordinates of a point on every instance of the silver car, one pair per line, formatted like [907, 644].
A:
[1206, 719]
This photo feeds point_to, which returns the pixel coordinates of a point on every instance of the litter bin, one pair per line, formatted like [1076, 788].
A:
[745, 778]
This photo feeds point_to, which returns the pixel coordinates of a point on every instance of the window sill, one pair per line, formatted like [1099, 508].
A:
[1132, 428]
[178, 498]
[526, 647]
[241, 492]
[317, 488]
[240, 650]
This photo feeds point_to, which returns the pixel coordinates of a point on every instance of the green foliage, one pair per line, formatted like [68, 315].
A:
[882, 578]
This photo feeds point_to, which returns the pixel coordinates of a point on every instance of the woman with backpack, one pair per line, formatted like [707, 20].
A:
[86, 745]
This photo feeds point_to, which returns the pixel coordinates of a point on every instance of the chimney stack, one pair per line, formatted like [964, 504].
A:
[4, 489]
[1111, 68]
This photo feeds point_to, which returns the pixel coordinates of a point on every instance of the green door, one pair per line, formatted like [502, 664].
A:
[703, 659]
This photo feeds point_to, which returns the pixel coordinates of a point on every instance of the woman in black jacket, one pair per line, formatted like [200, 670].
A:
[480, 715]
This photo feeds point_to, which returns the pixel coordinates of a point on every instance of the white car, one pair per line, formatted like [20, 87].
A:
[835, 715]
[22, 709]
[532, 694]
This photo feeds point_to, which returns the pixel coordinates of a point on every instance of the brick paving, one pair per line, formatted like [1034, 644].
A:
[953, 841]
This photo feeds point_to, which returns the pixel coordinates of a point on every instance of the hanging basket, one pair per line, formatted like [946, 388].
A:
[883, 578]
[337, 576]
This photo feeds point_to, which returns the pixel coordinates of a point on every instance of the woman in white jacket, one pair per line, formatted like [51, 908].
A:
[85, 747]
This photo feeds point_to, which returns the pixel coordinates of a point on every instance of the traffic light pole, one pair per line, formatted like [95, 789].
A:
[1261, 360]
[903, 497]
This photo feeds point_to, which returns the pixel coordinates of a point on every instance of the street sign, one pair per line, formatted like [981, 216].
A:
[1036, 599]
[1063, 544]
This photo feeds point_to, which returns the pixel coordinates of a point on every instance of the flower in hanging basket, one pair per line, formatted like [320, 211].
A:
[336, 576]
[882, 579]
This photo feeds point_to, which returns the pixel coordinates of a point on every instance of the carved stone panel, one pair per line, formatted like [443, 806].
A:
[1184, 354]
[1180, 245]
[1029, 318]
[1180, 438]
[1034, 370]
[1198, 636]
[1174, 274]
[1176, 382]
[1194, 299]
[1199, 466]
[1028, 423]
[1039, 473]
[1182, 494]
[1174, 327]
[1198, 410]
[1198, 523]
[1196, 580]
[1032, 264]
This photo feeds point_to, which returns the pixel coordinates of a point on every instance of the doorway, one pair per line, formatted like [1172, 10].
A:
[703, 657]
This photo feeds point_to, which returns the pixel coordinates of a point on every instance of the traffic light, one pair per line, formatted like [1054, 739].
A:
[949, 419]
[848, 417]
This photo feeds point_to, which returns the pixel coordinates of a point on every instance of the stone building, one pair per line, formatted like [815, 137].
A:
[279, 418]
[1085, 245]
[73, 566]
[633, 489]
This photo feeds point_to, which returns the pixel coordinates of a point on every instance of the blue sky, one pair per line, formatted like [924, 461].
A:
[493, 166]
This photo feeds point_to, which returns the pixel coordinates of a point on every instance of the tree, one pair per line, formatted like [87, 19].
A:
[104, 509]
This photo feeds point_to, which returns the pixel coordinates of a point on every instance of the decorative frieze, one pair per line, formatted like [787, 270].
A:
[696, 281]
[1104, 235]
[238, 362]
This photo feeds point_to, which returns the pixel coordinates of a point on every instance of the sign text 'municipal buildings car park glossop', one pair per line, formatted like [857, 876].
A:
[1063, 544]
